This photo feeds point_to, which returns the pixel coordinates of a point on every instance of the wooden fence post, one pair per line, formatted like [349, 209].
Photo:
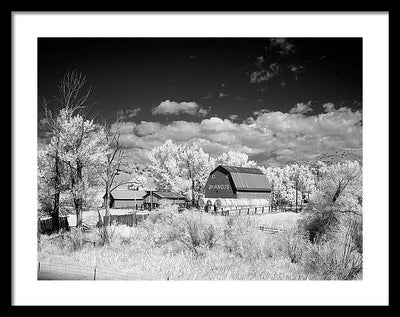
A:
[94, 274]
[39, 268]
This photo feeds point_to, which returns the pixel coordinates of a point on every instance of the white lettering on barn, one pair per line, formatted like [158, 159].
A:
[218, 186]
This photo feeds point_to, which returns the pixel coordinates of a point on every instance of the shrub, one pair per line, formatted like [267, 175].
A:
[196, 232]
[339, 258]
[319, 223]
[333, 261]
[163, 214]
[243, 239]
[106, 234]
[292, 244]
[77, 240]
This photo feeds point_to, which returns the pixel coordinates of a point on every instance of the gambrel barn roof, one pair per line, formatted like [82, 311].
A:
[246, 178]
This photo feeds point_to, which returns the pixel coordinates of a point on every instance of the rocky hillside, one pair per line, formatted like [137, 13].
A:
[332, 157]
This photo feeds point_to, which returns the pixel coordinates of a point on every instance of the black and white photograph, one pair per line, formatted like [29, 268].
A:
[200, 158]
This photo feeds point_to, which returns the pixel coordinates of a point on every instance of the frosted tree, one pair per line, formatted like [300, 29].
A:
[83, 148]
[72, 100]
[137, 182]
[196, 167]
[341, 186]
[302, 181]
[336, 202]
[182, 169]
[291, 183]
[233, 158]
[49, 180]
[166, 166]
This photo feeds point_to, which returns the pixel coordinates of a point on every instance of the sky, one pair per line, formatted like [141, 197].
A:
[276, 99]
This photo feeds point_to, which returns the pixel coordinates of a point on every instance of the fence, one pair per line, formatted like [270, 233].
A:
[47, 225]
[128, 219]
[239, 210]
[287, 208]
[50, 271]
[271, 230]
[243, 210]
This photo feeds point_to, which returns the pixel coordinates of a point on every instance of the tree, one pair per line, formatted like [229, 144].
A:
[337, 200]
[137, 182]
[113, 159]
[49, 184]
[233, 158]
[197, 166]
[83, 149]
[49, 179]
[50, 164]
[166, 167]
[80, 142]
[182, 169]
[290, 183]
[341, 186]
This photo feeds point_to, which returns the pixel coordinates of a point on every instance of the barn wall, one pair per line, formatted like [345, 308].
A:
[254, 195]
[157, 200]
[127, 203]
[219, 185]
[147, 199]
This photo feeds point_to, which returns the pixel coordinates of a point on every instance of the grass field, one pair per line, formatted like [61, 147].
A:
[188, 246]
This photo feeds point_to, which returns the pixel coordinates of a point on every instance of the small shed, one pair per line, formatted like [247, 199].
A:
[237, 182]
[152, 199]
[124, 198]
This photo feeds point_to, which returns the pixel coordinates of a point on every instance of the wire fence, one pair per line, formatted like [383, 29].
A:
[50, 271]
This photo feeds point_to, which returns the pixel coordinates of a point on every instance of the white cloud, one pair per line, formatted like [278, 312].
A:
[133, 112]
[295, 68]
[259, 112]
[222, 95]
[301, 108]
[127, 113]
[168, 107]
[233, 117]
[264, 75]
[271, 136]
[282, 46]
[259, 60]
[329, 107]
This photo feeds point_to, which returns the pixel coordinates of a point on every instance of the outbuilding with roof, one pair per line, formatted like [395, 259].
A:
[125, 198]
[237, 182]
[152, 199]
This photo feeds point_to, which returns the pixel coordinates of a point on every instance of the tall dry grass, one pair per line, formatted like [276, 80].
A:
[191, 245]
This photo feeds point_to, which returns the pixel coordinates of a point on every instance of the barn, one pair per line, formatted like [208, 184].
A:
[237, 182]
[124, 194]
[152, 199]
[124, 198]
